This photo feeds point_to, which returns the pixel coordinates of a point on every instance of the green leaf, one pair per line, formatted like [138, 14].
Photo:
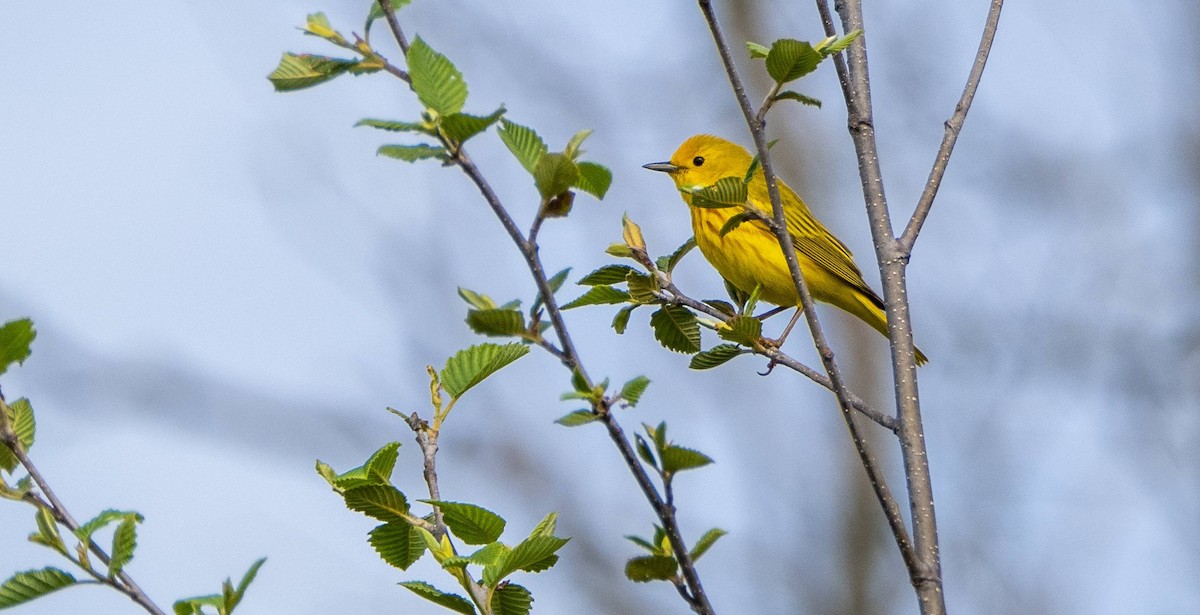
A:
[642, 287]
[839, 45]
[497, 323]
[554, 175]
[790, 59]
[706, 541]
[678, 458]
[412, 153]
[723, 307]
[472, 524]
[470, 366]
[619, 250]
[476, 300]
[621, 320]
[738, 295]
[594, 179]
[650, 568]
[318, 25]
[642, 542]
[383, 502]
[247, 579]
[394, 126]
[459, 127]
[572, 150]
[676, 328]
[47, 534]
[726, 192]
[489, 554]
[644, 451]
[555, 284]
[123, 544]
[438, 84]
[632, 391]
[715, 356]
[733, 222]
[523, 142]
[545, 527]
[598, 295]
[30, 584]
[299, 71]
[798, 97]
[744, 330]
[511, 599]
[577, 418]
[534, 554]
[668, 263]
[16, 336]
[608, 274]
[20, 417]
[376, 12]
[195, 605]
[381, 464]
[757, 51]
[397, 544]
[752, 300]
[95, 524]
[454, 602]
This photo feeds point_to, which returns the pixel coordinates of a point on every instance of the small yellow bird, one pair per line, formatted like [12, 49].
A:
[749, 255]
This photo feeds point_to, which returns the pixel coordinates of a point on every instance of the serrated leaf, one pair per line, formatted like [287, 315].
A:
[470, 366]
[383, 502]
[511, 599]
[726, 192]
[676, 328]
[798, 97]
[644, 451]
[382, 462]
[642, 287]
[757, 51]
[454, 602]
[435, 80]
[572, 150]
[532, 555]
[554, 175]
[489, 554]
[555, 284]
[706, 541]
[394, 126]
[123, 545]
[16, 338]
[717, 355]
[299, 71]
[744, 330]
[545, 527]
[668, 263]
[678, 458]
[632, 391]
[733, 222]
[598, 295]
[20, 418]
[476, 300]
[577, 418]
[608, 274]
[95, 524]
[459, 127]
[397, 544]
[840, 44]
[621, 319]
[593, 179]
[498, 323]
[30, 584]
[376, 12]
[472, 524]
[648, 568]
[619, 250]
[412, 153]
[523, 142]
[790, 59]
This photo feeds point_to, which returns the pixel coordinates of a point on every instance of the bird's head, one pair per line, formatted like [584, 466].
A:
[702, 160]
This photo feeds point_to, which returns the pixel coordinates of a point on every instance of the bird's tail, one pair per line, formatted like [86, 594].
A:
[869, 307]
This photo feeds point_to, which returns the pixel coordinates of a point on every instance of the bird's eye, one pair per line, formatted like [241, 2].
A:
[698, 160]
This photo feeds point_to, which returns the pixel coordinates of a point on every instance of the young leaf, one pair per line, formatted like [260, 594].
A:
[572, 150]
[717, 355]
[676, 328]
[459, 127]
[668, 263]
[642, 287]
[790, 59]
[394, 126]
[383, 502]
[555, 283]
[757, 51]
[454, 602]
[621, 320]
[643, 543]
[744, 330]
[723, 307]
[470, 366]
[733, 222]
[726, 192]
[397, 544]
[490, 554]
[577, 418]
[95, 524]
[196, 604]
[376, 12]
[534, 554]
[476, 300]
[524, 143]
[798, 97]
[594, 179]
[318, 25]
[706, 541]
[299, 71]
[619, 250]
[598, 295]
[678, 458]
[16, 336]
[20, 417]
[632, 391]
[608, 274]
[643, 450]
[435, 80]
[511, 599]
[47, 534]
[650, 568]
[244, 584]
[412, 153]
[840, 44]
[381, 464]
[554, 175]
[30, 584]
[752, 300]
[496, 323]
[545, 527]
[123, 544]
[472, 524]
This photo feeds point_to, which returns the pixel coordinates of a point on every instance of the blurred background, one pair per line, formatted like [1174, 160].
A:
[228, 284]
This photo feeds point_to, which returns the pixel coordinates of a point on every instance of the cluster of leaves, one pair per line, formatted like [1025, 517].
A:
[789, 59]
[404, 536]
[16, 338]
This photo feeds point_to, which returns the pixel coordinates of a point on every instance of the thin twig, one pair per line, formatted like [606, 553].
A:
[953, 126]
[394, 24]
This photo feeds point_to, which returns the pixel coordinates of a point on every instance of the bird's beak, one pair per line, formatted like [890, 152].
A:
[665, 167]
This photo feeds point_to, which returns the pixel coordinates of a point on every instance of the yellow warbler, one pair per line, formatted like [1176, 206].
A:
[749, 255]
